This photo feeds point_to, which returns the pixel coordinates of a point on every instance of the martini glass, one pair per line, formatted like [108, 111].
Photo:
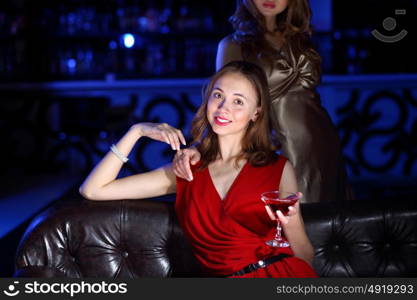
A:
[279, 200]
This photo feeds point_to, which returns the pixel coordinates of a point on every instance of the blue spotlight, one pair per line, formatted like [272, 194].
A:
[71, 63]
[128, 40]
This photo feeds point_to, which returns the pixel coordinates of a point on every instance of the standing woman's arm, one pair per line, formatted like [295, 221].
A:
[101, 183]
[227, 51]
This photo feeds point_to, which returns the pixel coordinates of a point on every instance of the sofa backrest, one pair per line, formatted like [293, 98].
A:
[142, 238]
[364, 238]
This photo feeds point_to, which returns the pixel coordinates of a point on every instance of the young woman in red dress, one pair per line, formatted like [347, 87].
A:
[220, 211]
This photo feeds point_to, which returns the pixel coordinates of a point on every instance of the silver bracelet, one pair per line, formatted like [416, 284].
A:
[119, 155]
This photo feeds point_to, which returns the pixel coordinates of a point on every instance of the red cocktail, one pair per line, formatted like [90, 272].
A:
[278, 200]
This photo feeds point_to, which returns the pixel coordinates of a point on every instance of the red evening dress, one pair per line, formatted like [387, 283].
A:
[227, 235]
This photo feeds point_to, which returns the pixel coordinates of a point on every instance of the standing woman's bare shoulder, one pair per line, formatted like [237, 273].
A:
[227, 51]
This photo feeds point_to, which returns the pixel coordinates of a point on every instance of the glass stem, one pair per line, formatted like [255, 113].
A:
[278, 234]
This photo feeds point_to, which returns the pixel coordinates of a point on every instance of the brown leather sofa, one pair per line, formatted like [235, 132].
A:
[141, 238]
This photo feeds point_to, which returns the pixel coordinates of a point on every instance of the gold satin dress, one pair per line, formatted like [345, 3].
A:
[305, 131]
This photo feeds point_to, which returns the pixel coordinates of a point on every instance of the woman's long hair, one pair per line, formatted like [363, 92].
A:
[293, 23]
[257, 145]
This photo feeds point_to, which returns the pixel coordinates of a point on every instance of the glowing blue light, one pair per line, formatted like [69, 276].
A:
[128, 40]
[71, 63]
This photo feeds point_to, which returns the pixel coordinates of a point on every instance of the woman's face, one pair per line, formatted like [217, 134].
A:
[270, 8]
[232, 104]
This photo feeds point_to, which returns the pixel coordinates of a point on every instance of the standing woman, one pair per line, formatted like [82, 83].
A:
[275, 34]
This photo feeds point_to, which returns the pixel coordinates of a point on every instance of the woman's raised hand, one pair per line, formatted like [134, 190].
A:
[161, 132]
[182, 161]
